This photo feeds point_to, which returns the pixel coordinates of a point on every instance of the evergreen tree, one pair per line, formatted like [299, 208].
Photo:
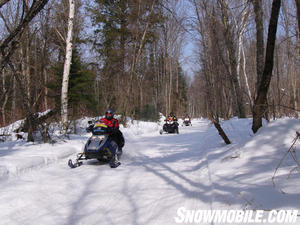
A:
[123, 31]
[81, 95]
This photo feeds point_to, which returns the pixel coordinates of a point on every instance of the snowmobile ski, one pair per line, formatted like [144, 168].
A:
[73, 165]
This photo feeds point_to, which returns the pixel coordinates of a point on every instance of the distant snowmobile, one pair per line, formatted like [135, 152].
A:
[187, 122]
[99, 146]
[170, 126]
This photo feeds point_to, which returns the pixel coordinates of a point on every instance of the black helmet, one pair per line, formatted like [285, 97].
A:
[171, 114]
[109, 114]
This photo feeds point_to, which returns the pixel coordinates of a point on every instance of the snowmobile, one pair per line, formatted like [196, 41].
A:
[187, 122]
[170, 126]
[99, 146]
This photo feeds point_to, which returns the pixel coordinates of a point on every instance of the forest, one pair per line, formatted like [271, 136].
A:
[216, 59]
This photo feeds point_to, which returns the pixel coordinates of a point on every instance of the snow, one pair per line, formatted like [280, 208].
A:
[158, 174]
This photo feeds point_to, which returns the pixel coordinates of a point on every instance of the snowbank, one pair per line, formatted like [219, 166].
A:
[246, 169]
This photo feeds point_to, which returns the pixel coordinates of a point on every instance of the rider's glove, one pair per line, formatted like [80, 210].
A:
[90, 128]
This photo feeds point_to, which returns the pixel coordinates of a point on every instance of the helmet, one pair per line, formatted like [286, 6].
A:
[109, 114]
[171, 114]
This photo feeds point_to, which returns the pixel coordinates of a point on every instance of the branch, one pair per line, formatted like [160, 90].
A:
[60, 35]
[5, 22]
[285, 155]
[35, 8]
[3, 2]
[144, 34]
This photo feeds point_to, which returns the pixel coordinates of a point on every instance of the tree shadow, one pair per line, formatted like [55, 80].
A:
[198, 154]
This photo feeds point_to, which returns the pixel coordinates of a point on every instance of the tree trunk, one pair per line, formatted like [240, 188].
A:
[170, 84]
[28, 86]
[45, 88]
[295, 81]
[246, 79]
[4, 91]
[259, 39]
[14, 99]
[232, 58]
[27, 66]
[67, 66]
[298, 17]
[166, 86]
[221, 131]
[260, 103]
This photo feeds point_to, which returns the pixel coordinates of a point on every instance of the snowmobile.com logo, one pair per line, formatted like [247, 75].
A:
[235, 216]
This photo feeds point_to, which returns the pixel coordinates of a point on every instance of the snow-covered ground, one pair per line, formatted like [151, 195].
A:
[159, 174]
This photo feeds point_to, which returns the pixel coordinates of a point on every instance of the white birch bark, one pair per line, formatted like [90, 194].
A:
[5, 101]
[67, 65]
[240, 31]
[170, 90]
[240, 27]
[246, 78]
[14, 98]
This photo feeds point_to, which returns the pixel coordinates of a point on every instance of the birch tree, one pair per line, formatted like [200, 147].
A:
[67, 65]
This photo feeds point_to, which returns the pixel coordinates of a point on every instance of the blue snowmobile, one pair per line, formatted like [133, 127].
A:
[99, 146]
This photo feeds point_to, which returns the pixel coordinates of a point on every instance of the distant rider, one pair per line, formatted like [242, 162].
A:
[187, 120]
[172, 117]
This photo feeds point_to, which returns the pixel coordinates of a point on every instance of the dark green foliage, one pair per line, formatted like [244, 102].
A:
[148, 113]
[81, 87]
[81, 94]
[110, 19]
[182, 87]
[129, 62]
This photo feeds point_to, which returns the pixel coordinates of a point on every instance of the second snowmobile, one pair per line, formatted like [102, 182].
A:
[170, 126]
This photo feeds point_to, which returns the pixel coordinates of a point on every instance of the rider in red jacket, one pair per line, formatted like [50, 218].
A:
[113, 125]
[109, 120]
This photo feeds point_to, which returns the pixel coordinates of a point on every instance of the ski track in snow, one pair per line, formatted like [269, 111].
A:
[158, 174]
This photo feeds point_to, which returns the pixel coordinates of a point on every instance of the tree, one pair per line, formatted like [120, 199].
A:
[231, 67]
[67, 65]
[258, 10]
[13, 38]
[9, 44]
[298, 16]
[123, 34]
[81, 95]
[260, 103]
[209, 60]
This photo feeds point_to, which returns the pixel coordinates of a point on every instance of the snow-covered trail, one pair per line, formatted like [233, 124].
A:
[159, 174]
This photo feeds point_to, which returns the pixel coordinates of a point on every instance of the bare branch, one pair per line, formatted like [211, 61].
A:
[290, 151]
[3, 2]
[35, 8]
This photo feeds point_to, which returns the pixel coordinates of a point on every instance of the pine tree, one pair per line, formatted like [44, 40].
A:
[81, 95]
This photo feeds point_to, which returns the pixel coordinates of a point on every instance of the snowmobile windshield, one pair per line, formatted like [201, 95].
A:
[100, 129]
